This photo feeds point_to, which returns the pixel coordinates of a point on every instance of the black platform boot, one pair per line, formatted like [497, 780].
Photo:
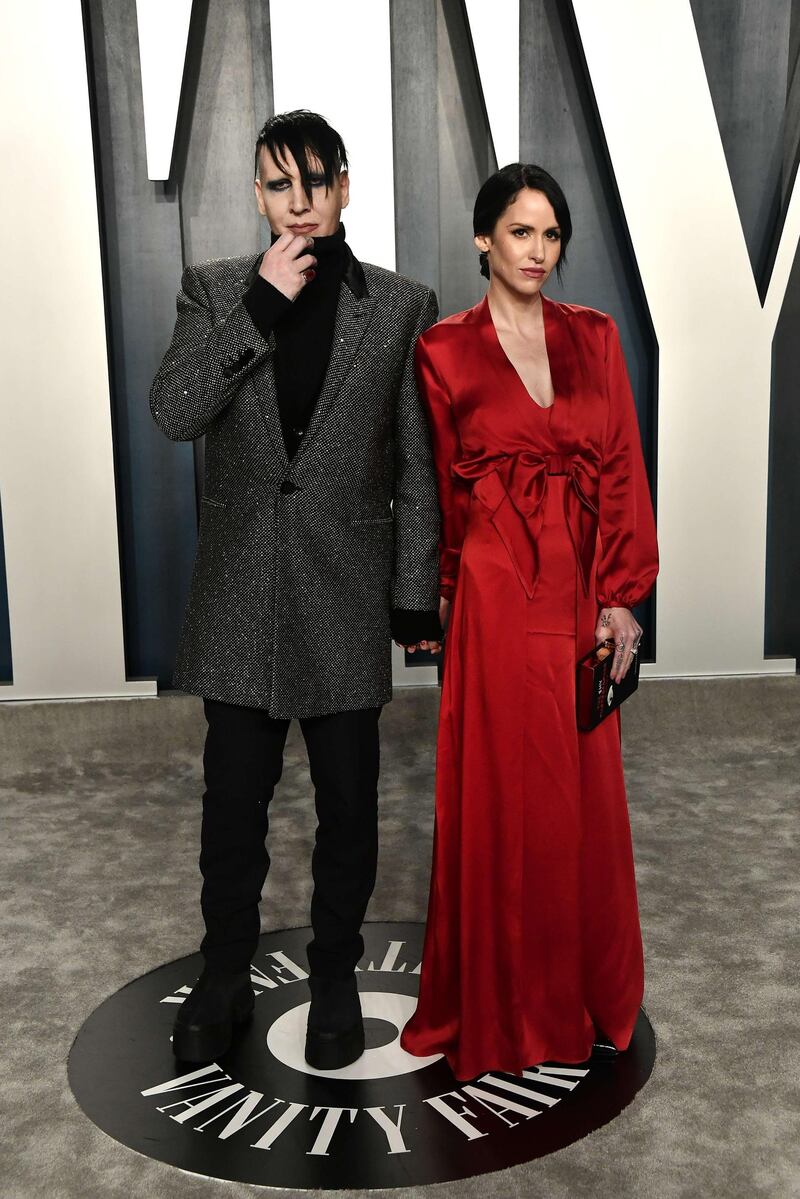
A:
[335, 1035]
[206, 1020]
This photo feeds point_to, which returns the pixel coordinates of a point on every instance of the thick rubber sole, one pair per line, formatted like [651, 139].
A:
[200, 1043]
[334, 1050]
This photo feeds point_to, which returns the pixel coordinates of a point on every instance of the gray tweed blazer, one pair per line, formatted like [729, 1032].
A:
[298, 564]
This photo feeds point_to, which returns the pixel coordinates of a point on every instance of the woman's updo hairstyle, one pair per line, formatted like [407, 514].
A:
[502, 188]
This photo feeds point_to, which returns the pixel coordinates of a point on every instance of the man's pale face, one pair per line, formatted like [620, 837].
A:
[281, 199]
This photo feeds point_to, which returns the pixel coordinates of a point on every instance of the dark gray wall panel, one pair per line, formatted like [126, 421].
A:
[416, 140]
[213, 167]
[443, 150]
[263, 107]
[782, 634]
[466, 159]
[745, 50]
[560, 131]
[151, 230]
[6, 672]
[218, 210]
[142, 263]
[783, 542]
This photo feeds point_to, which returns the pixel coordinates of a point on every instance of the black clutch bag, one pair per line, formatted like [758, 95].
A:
[596, 695]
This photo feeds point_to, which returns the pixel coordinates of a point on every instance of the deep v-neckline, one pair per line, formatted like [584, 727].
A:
[520, 380]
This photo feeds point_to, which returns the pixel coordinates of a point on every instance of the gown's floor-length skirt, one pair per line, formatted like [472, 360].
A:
[533, 938]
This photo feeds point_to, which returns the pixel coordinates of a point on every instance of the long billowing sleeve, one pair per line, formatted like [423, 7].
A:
[453, 496]
[628, 563]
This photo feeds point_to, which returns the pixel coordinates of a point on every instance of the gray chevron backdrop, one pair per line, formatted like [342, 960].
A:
[442, 152]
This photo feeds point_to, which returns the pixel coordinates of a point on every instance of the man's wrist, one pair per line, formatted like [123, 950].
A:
[265, 304]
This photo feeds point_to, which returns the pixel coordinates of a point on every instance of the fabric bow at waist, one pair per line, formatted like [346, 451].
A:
[513, 490]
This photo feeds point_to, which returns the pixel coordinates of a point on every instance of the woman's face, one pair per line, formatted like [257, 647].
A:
[525, 244]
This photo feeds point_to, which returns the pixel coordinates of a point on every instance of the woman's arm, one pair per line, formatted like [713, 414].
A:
[628, 562]
[453, 496]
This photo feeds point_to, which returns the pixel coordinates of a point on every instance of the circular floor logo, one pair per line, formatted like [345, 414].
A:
[262, 1115]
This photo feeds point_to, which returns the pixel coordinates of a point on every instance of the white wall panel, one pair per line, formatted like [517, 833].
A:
[715, 341]
[495, 39]
[336, 59]
[163, 27]
[56, 457]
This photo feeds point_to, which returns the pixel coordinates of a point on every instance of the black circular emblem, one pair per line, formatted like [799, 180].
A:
[262, 1115]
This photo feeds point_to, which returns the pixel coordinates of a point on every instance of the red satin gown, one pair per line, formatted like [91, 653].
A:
[533, 938]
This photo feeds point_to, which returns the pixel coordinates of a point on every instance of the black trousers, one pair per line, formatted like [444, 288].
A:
[242, 762]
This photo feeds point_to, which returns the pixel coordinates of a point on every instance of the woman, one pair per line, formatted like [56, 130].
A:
[533, 943]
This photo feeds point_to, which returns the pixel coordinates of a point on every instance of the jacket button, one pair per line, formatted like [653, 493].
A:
[287, 487]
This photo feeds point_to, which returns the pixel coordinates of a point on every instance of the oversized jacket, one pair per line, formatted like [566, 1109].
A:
[298, 563]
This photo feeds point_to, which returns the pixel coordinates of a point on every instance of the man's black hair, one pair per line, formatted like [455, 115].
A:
[303, 133]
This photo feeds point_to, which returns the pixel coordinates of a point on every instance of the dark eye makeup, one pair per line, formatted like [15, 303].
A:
[280, 185]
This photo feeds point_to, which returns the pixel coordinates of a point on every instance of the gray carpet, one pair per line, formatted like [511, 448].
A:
[99, 848]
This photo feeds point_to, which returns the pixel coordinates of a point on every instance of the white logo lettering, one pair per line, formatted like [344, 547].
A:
[281, 1124]
[330, 1121]
[551, 1076]
[437, 1102]
[390, 959]
[199, 1102]
[392, 1129]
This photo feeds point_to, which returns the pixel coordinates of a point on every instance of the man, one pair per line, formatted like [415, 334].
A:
[318, 542]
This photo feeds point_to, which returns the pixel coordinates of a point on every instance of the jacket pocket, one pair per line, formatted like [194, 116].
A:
[372, 514]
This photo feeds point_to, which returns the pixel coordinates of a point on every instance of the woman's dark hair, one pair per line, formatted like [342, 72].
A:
[502, 188]
[303, 132]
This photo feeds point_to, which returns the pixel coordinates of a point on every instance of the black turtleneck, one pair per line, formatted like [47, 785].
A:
[303, 330]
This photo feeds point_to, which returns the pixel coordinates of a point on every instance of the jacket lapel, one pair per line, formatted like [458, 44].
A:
[353, 316]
